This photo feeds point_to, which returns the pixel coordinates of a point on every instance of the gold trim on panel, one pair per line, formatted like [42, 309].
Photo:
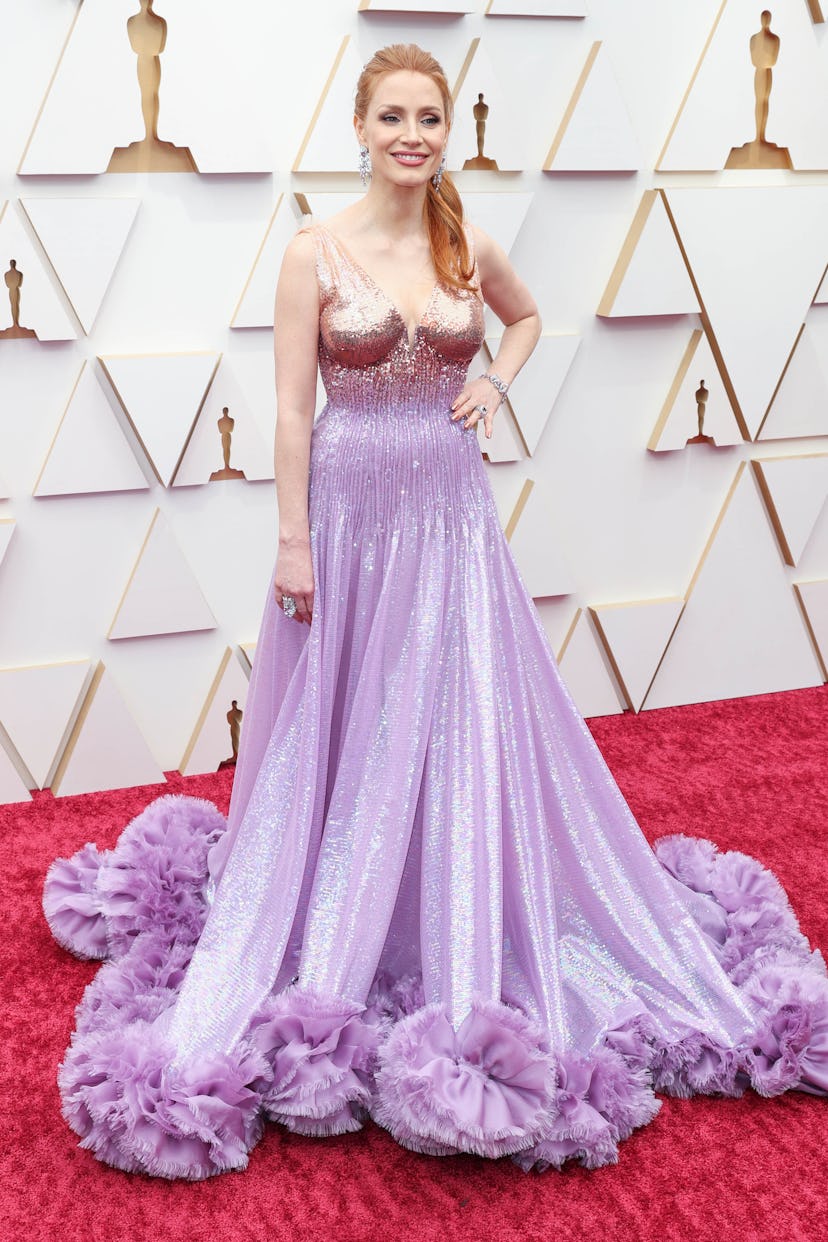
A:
[57, 429]
[328, 83]
[47, 92]
[697, 571]
[141, 552]
[12, 522]
[678, 380]
[464, 68]
[302, 203]
[133, 424]
[15, 758]
[628, 249]
[194, 423]
[775, 392]
[568, 635]
[718, 356]
[205, 710]
[572, 105]
[634, 603]
[520, 505]
[70, 719]
[663, 654]
[690, 86]
[773, 512]
[770, 504]
[822, 661]
[622, 685]
[714, 532]
[259, 252]
[80, 721]
[66, 293]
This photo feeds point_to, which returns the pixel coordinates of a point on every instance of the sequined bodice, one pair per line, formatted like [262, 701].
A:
[364, 348]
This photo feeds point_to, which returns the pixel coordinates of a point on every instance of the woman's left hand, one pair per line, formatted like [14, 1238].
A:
[477, 392]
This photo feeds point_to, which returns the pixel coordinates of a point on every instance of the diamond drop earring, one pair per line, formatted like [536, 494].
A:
[438, 176]
[364, 165]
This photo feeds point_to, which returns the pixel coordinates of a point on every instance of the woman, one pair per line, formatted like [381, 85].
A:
[431, 904]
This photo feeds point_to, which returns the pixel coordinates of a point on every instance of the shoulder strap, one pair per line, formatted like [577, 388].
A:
[324, 276]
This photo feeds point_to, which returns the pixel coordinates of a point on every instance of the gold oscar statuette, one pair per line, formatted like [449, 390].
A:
[14, 282]
[234, 720]
[481, 111]
[702, 394]
[759, 153]
[147, 36]
[225, 425]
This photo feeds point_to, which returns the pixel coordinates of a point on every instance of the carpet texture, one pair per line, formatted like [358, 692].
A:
[750, 774]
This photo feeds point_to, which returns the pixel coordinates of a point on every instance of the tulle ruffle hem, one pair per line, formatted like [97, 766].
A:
[492, 1084]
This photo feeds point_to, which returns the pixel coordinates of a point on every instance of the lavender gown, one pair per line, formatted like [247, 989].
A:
[430, 904]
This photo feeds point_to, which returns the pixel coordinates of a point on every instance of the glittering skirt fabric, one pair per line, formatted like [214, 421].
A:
[430, 904]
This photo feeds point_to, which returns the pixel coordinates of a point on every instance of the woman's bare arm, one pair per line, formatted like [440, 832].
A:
[511, 301]
[296, 334]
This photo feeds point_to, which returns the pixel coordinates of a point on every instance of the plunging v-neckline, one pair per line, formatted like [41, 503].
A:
[410, 341]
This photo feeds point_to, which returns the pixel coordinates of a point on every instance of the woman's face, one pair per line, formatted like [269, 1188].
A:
[405, 128]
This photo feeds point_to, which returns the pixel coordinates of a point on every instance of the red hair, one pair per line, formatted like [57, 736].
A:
[443, 209]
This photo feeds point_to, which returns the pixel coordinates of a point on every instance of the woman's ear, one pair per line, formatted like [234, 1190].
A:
[358, 130]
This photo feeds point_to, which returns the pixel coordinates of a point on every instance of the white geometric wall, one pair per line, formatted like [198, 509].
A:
[131, 586]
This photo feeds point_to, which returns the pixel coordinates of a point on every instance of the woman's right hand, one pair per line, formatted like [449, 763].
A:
[294, 576]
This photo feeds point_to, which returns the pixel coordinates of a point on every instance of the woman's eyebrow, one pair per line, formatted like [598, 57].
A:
[400, 108]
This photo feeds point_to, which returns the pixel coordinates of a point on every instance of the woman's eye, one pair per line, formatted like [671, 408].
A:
[428, 120]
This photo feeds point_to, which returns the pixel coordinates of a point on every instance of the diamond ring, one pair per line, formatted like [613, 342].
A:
[289, 605]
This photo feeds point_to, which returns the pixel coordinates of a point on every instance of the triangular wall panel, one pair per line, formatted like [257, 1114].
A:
[211, 742]
[84, 239]
[204, 453]
[741, 631]
[754, 308]
[535, 389]
[106, 749]
[89, 452]
[532, 539]
[678, 421]
[330, 143]
[38, 705]
[800, 403]
[635, 636]
[162, 395]
[162, 595]
[596, 133]
[717, 113]
[255, 306]
[794, 490]
[42, 313]
[813, 600]
[587, 672]
[650, 276]
[501, 135]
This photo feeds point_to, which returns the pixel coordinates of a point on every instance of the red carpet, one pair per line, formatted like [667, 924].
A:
[748, 773]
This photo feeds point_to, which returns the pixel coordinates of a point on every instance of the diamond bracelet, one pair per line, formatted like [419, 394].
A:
[501, 386]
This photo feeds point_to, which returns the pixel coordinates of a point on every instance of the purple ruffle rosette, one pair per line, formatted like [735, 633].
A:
[154, 880]
[320, 1055]
[486, 1087]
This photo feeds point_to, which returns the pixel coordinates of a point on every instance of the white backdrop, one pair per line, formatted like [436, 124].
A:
[663, 573]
